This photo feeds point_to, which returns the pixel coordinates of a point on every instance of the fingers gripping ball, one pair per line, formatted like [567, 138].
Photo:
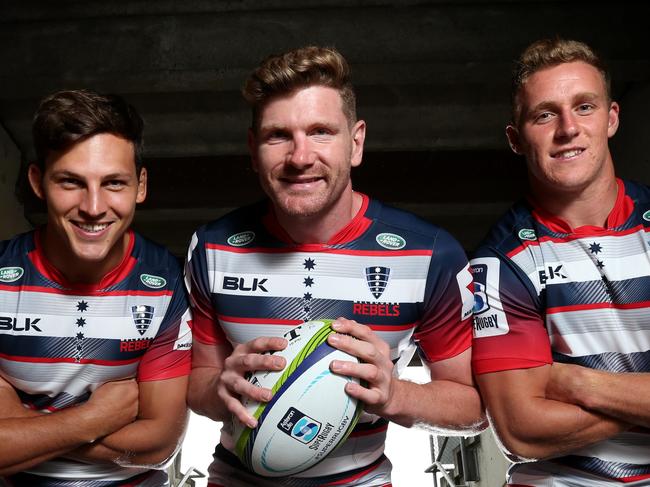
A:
[310, 413]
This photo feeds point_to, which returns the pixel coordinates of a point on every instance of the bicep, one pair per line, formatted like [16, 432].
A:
[209, 355]
[454, 369]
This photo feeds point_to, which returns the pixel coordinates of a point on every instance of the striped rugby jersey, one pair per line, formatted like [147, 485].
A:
[546, 292]
[60, 341]
[405, 278]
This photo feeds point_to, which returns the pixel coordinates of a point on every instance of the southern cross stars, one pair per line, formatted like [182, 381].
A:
[308, 281]
[309, 264]
[594, 248]
[307, 296]
[81, 322]
[82, 306]
[599, 264]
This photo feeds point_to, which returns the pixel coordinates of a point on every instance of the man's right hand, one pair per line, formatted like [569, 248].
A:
[115, 403]
[248, 357]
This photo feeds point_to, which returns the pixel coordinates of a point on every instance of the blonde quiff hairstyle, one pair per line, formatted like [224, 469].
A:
[308, 66]
[547, 53]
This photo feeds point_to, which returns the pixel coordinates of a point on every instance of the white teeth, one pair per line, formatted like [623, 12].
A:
[568, 154]
[92, 228]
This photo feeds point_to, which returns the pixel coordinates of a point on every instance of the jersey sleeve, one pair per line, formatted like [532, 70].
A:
[445, 328]
[509, 331]
[169, 354]
[205, 325]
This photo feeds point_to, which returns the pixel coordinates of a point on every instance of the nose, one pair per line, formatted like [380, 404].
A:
[93, 203]
[301, 154]
[567, 125]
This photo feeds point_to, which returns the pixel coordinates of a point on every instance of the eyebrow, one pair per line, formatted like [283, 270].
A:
[546, 104]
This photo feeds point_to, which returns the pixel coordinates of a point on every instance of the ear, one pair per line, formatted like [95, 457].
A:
[35, 177]
[513, 139]
[358, 139]
[612, 120]
[252, 148]
[142, 186]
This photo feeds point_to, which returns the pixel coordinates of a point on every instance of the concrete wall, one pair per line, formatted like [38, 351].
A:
[491, 462]
[12, 219]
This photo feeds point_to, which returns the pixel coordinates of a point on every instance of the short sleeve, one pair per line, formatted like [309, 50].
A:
[445, 329]
[170, 352]
[509, 331]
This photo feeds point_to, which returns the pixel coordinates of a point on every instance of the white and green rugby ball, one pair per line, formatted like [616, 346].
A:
[310, 413]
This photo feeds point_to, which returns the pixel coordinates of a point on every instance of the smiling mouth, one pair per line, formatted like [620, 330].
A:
[567, 154]
[92, 227]
[302, 180]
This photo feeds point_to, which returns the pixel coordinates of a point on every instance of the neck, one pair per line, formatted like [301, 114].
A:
[588, 206]
[320, 228]
[75, 270]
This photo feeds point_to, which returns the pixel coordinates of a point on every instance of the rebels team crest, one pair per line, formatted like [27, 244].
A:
[377, 279]
[142, 316]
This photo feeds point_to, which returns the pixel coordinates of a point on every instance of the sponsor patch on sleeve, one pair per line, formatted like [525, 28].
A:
[466, 288]
[184, 340]
[489, 317]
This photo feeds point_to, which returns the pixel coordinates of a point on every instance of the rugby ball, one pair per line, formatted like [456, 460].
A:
[310, 413]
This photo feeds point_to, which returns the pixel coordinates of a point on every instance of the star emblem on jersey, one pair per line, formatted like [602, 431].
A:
[594, 248]
[309, 264]
[308, 281]
[82, 306]
[142, 316]
[377, 279]
[599, 264]
[307, 297]
[81, 322]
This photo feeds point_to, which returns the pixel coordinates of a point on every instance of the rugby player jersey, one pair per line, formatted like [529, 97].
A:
[405, 278]
[546, 292]
[60, 341]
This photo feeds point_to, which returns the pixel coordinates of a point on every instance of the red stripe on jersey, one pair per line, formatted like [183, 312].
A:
[317, 248]
[486, 366]
[391, 327]
[77, 292]
[259, 321]
[67, 360]
[582, 307]
[628, 480]
[571, 238]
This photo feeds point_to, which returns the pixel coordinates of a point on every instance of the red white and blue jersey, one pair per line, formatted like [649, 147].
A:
[60, 341]
[546, 292]
[405, 278]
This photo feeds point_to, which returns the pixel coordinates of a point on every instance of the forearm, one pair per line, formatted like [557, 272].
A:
[202, 394]
[542, 428]
[625, 396]
[30, 440]
[144, 443]
[445, 406]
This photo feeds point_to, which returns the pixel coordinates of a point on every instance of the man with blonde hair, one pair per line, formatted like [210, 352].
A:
[561, 342]
[317, 250]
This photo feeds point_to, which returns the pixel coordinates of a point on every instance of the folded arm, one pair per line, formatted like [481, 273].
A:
[531, 425]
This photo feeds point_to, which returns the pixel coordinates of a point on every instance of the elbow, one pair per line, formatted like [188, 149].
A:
[518, 446]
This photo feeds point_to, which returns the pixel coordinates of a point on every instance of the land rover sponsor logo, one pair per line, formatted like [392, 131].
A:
[155, 282]
[390, 241]
[646, 216]
[11, 274]
[242, 238]
[527, 234]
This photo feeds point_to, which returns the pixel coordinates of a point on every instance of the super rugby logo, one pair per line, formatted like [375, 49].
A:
[11, 274]
[142, 316]
[154, 282]
[390, 241]
[377, 279]
[299, 426]
[240, 239]
[489, 317]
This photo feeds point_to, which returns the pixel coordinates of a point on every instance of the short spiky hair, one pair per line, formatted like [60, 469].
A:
[547, 53]
[312, 65]
[67, 117]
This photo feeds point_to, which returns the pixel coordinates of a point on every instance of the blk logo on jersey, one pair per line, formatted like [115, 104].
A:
[551, 273]
[234, 283]
[377, 280]
[142, 316]
[12, 323]
[299, 426]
